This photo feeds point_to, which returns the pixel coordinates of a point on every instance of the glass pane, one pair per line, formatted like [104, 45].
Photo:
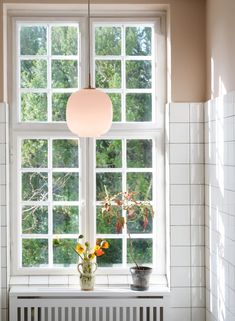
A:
[33, 73]
[139, 153]
[138, 74]
[65, 219]
[64, 40]
[108, 74]
[141, 183]
[65, 153]
[108, 153]
[34, 252]
[117, 106]
[142, 251]
[34, 153]
[112, 181]
[138, 41]
[33, 40]
[113, 255]
[59, 103]
[34, 107]
[65, 186]
[34, 186]
[63, 252]
[138, 225]
[108, 41]
[34, 219]
[139, 107]
[106, 224]
[64, 73]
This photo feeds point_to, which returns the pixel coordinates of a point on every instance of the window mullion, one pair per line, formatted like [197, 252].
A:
[49, 95]
[50, 205]
[124, 184]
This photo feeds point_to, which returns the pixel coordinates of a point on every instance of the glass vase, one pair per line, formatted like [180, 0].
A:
[87, 275]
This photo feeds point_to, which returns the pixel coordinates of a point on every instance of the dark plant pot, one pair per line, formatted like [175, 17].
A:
[140, 278]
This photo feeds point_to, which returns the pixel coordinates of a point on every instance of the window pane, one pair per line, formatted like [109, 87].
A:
[108, 74]
[65, 186]
[64, 40]
[33, 40]
[104, 224]
[117, 106]
[141, 183]
[63, 252]
[108, 153]
[138, 41]
[138, 74]
[34, 219]
[64, 73]
[33, 73]
[112, 181]
[65, 220]
[137, 226]
[107, 41]
[139, 153]
[34, 153]
[113, 255]
[34, 187]
[139, 107]
[65, 153]
[34, 252]
[142, 251]
[59, 103]
[34, 107]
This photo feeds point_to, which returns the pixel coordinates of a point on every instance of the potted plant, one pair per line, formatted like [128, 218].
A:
[135, 210]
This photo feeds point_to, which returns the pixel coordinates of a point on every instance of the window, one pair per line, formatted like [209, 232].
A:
[61, 179]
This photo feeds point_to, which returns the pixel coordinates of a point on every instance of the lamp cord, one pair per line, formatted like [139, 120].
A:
[89, 49]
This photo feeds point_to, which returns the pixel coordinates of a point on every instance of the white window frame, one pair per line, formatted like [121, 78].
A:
[154, 130]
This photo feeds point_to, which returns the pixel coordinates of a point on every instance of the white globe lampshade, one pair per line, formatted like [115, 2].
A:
[89, 113]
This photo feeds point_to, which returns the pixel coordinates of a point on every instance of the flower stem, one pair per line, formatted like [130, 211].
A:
[131, 251]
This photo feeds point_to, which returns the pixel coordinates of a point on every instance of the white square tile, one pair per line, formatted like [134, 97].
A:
[179, 194]
[179, 174]
[197, 235]
[3, 257]
[58, 280]
[227, 128]
[101, 280]
[74, 280]
[4, 298]
[2, 195]
[196, 112]
[197, 174]
[3, 215]
[3, 277]
[179, 314]
[2, 154]
[228, 104]
[2, 133]
[197, 153]
[2, 174]
[198, 297]
[197, 133]
[117, 279]
[3, 236]
[180, 256]
[197, 195]
[180, 297]
[179, 153]
[180, 235]
[199, 314]
[38, 279]
[198, 276]
[19, 280]
[180, 276]
[180, 215]
[179, 113]
[179, 133]
[197, 215]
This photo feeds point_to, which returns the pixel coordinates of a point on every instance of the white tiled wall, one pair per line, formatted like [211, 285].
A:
[3, 212]
[220, 208]
[186, 156]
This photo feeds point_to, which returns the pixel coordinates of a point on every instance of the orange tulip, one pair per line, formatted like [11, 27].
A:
[99, 252]
[104, 244]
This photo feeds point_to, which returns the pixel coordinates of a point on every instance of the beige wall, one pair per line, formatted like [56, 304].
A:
[188, 63]
[220, 47]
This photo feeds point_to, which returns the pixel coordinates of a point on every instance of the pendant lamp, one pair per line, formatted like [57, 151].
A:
[89, 110]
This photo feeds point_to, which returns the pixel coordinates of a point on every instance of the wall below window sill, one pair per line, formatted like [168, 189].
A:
[72, 281]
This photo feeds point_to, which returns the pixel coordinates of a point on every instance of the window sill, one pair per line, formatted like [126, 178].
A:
[97, 292]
